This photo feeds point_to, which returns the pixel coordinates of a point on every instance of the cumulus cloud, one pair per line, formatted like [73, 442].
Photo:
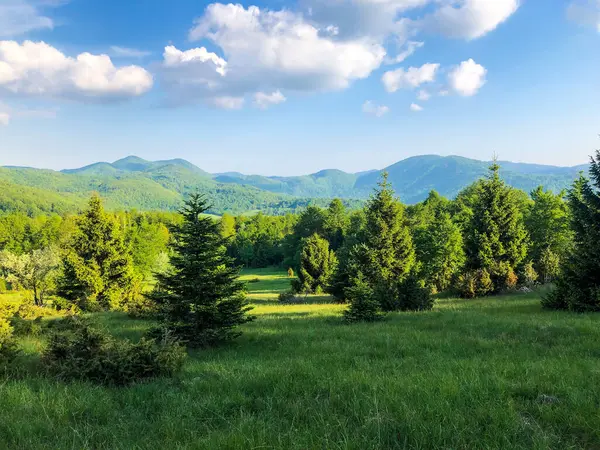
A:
[265, 51]
[20, 16]
[4, 118]
[375, 110]
[263, 101]
[409, 79]
[37, 69]
[467, 78]
[469, 19]
[416, 108]
[585, 12]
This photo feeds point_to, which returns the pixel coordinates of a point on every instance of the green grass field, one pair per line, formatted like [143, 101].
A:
[488, 374]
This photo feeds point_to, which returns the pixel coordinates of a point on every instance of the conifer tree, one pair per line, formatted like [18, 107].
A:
[97, 266]
[336, 223]
[440, 250]
[497, 239]
[384, 260]
[201, 300]
[317, 264]
[578, 286]
[548, 224]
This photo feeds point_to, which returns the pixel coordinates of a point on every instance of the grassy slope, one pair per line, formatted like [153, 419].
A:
[470, 374]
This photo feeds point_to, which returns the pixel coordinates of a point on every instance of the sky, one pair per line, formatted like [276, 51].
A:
[283, 87]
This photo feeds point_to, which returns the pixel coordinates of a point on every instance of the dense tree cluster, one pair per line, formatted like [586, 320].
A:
[381, 257]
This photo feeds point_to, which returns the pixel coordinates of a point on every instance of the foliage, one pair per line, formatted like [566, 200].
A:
[97, 266]
[439, 246]
[35, 271]
[8, 346]
[201, 301]
[474, 283]
[364, 306]
[286, 297]
[529, 275]
[78, 351]
[547, 222]
[578, 285]
[290, 272]
[317, 264]
[496, 236]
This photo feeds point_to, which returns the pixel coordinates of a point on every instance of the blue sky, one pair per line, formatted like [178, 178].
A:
[289, 88]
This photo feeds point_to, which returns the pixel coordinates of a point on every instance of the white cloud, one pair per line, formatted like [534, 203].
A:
[125, 52]
[423, 95]
[469, 19]
[409, 79]
[410, 48]
[265, 51]
[467, 78]
[585, 12]
[227, 102]
[375, 110]
[37, 69]
[4, 118]
[416, 108]
[263, 101]
[444, 93]
[20, 16]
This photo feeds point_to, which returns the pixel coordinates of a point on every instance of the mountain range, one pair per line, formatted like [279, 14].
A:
[133, 182]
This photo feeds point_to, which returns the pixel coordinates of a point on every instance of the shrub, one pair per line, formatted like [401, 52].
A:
[529, 276]
[414, 296]
[287, 297]
[8, 347]
[290, 273]
[364, 305]
[474, 283]
[78, 351]
[141, 307]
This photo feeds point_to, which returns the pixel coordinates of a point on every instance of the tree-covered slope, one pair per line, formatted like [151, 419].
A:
[133, 182]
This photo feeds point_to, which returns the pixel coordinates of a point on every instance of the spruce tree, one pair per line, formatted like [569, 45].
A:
[578, 286]
[383, 260]
[317, 264]
[201, 300]
[97, 265]
[497, 239]
[336, 223]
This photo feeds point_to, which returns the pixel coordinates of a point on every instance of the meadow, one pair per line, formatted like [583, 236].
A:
[493, 373]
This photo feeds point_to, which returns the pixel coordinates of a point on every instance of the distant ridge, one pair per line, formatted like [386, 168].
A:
[133, 182]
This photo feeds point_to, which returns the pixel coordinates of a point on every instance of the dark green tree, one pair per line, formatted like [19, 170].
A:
[384, 259]
[317, 264]
[578, 286]
[201, 301]
[497, 240]
[97, 265]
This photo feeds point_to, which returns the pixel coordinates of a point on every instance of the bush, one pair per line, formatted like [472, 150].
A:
[8, 346]
[78, 351]
[287, 297]
[414, 296]
[528, 274]
[141, 307]
[475, 283]
[364, 305]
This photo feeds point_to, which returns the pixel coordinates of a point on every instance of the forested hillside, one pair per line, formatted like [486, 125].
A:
[134, 183]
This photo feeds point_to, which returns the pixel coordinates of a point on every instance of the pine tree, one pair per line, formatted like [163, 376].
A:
[201, 299]
[496, 239]
[317, 264]
[97, 266]
[578, 286]
[384, 259]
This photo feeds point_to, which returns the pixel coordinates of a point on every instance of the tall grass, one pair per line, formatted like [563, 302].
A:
[495, 373]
